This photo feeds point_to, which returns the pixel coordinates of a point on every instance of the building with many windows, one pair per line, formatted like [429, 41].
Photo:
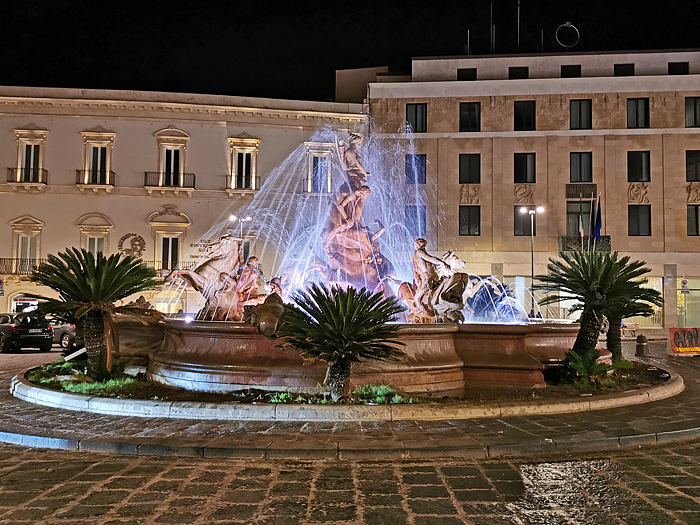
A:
[139, 173]
[495, 134]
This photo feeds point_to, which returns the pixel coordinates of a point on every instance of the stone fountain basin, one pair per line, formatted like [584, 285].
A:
[210, 356]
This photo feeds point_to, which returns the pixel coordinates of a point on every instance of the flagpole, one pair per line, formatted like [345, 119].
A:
[596, 220]
[581, 230]
[590, 222]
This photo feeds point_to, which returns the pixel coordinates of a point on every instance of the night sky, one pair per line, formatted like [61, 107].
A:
[292, 49]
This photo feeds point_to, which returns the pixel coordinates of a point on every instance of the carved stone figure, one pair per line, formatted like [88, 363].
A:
[693, 190]
[524, 194]
[469, 194]
[638, 193]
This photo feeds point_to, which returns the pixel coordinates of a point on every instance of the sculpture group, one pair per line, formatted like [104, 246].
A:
[441, 290]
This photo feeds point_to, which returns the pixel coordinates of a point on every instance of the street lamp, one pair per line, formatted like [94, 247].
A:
[241, 220]
[532, 212]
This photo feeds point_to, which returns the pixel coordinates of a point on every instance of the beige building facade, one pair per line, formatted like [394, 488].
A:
[139, 173]
[497, 134]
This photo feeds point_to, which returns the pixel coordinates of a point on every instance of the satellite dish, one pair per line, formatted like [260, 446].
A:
[567, 35]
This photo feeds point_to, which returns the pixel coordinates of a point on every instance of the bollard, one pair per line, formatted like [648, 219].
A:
[641, 346]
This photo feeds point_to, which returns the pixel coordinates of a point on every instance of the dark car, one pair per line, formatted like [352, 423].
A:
[25, 330]
[65, 335]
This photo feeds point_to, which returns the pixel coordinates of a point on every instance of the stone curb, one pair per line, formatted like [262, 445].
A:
[283, 412]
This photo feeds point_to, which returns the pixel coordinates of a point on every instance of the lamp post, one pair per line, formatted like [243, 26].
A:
[241, 220]
[532, 212]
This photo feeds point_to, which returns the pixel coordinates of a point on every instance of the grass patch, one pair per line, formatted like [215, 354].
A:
[112, 386]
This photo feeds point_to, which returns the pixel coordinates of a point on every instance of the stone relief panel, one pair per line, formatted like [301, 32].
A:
[524, 194]
[638, 193]
[693, 190]
[132, 244]
[470, 194]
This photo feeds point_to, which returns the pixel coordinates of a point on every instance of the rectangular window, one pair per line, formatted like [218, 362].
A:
[581, 166]
[27, 247]
[468, 73]
[571, 71]
[638, 220]
[170, 252]
[470, 220]
[624, 70]
[637, 113]
[319, 174]
[692, 112]
[638, 166]
[518, 73]
[573, 215]
[98, 165]
[522, 223]
[470, 116]
[417, 117]
[693, 220]
[524, 168]
[524, 115]
[415, 220]
[171, 167]
[692, 166]
[415, 169]
[244, 166]
[581, 114]
[30, 164]
[95, 245]
[470, 168]
[678, 68]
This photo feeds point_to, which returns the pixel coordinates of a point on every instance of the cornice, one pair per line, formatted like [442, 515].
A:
[170, 109]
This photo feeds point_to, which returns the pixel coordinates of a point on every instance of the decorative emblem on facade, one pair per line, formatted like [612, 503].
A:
[524, 194]
[132, 244]
[693, 190]
[638, 193]
[469, 194]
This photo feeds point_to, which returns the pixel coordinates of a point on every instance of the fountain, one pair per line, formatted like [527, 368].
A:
[309, 222]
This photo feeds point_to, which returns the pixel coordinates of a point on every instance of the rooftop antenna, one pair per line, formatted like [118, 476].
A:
[467, 48]
[518, 25]
[567, 35]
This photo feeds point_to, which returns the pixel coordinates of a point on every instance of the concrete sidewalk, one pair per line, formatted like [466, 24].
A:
[664, 422]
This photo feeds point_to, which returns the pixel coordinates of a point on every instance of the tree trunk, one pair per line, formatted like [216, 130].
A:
[95, 344]
[614, 342]
[588, 334]
[339, 379]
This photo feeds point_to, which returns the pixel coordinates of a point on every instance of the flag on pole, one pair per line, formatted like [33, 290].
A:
[598, 219]
[581, 230]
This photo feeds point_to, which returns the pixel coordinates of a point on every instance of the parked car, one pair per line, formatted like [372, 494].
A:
[66, 335]
[25, 330]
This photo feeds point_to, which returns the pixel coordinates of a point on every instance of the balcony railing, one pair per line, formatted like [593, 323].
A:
[95, 178]
[572, 243]
[19, 266]
[171, 265]
[27, 176]
[156, 179]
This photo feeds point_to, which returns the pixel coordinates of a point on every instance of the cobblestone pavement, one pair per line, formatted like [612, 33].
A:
[656, 486]
[574, 432]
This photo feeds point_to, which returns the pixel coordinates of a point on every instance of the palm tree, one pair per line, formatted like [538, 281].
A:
[635, 300]
[88, 286]
[597, 281]
[340, 327]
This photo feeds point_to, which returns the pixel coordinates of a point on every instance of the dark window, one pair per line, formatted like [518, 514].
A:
[637, 112]
[571, 71]
[624, 70]
[692, 166]
[470, 168]
[415, 169]
[470, 116]
[692, 112]
[169, 253]
[638, 163]
[581, 166]
[98, 165]
[574, 217]
[30, 171]
[466, 73]
[319, 175]
[417, 117]
[518, 73]
[522, 222]
[524, 114]
[678, 68]
[693, 220]
[244, 167]
[470, 220]
[415, 220]
[581, 114]
[638, 220]
[171, 172]
[524, 168]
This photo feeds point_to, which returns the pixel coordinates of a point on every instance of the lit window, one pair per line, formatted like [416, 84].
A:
[318, 177]
[415, 169]
[244, 162]
[98, 144]
[29, 168]
[415, 220]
